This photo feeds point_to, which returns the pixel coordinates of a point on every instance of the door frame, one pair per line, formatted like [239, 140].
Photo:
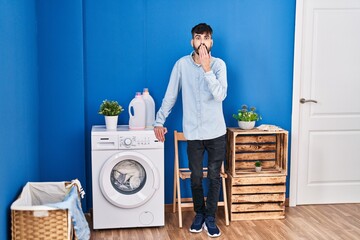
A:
[295, 118]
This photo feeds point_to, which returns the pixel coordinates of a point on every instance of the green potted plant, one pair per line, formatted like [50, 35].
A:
[247, 117]
[111, 110]
[258, 166]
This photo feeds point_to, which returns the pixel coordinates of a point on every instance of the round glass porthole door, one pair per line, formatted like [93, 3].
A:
[128, 179]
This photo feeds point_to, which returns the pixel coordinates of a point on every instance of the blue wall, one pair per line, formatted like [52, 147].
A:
[134, 44]
[19, 149]
[61, 90]
[60, 59]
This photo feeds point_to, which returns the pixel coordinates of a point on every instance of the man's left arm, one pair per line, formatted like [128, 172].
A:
[215, 76]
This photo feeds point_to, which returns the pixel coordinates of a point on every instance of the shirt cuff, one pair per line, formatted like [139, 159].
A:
[158, 125]
[209, 73]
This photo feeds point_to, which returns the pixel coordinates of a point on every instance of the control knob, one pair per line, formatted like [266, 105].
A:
[127, 141]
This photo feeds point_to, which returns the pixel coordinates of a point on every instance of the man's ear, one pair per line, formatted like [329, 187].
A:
[192, 42]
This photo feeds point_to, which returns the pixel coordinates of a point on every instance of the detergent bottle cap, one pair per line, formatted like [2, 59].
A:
[146, 91]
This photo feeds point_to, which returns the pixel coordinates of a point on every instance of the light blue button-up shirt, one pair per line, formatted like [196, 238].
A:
[202, 97]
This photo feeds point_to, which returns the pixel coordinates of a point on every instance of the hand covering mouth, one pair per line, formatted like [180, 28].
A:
[204, 45]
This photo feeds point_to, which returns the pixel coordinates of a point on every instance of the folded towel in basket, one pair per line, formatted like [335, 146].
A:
[72, 203]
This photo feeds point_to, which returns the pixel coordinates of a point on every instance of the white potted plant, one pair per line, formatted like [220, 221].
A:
[258, 166]
[246, 117]
[111, 110]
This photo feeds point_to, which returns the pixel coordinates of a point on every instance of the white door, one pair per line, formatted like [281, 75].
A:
[325, 160]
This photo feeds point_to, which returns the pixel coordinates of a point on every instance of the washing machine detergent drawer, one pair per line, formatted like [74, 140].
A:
[104, 142]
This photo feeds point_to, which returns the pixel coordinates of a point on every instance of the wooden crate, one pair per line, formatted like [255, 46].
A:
[245, 147]
[256, 197]
[252, 195]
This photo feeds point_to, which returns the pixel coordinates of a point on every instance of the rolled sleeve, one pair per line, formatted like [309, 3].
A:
[217, 82]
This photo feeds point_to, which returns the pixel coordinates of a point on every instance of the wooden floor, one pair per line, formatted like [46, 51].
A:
[340, 221]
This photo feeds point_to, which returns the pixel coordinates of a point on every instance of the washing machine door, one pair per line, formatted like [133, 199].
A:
[128, 179]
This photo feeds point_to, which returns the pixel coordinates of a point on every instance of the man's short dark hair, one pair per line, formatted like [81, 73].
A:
[201, 28]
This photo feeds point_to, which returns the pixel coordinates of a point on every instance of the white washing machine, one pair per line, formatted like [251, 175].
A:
[127, 178]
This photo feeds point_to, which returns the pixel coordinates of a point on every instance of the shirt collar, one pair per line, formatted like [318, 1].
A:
[192, 60]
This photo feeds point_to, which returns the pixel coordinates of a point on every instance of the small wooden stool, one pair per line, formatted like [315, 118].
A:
[184, 173]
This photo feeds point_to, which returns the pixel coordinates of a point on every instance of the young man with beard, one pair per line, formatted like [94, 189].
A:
[203, 83]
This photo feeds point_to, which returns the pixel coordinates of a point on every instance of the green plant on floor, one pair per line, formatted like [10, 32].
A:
[110, 108]
[257, 164]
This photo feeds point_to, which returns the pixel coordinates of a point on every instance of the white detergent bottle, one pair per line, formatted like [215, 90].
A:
[150, 108]
[137, 112]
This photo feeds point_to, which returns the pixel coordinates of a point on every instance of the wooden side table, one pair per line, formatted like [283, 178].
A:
[256, 195]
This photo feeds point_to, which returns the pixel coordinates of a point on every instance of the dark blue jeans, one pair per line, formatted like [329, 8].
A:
[216, 149]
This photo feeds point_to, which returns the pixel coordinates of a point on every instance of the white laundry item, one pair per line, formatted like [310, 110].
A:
[268, 127]
[77, 183]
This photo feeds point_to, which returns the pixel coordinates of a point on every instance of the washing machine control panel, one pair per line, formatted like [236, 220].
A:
[131, 142]
[123, 138]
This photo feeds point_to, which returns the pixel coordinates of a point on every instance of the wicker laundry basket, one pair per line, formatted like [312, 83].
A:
[41, 222]
[27, 225]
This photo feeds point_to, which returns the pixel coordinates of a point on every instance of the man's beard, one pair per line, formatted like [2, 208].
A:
[197, 49]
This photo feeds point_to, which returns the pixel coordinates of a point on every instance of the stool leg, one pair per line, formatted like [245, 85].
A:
[175, 189]
[225, 202]
[179, 202]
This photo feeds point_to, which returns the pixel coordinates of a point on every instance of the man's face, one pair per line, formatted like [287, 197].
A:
[201, 39]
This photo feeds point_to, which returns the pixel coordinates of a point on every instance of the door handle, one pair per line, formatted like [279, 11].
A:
[303, 100]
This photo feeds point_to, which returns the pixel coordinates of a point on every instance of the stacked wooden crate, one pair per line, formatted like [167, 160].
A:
[256, 195]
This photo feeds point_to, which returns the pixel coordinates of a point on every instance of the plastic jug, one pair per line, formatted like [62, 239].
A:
[137, 112]
[150, 108]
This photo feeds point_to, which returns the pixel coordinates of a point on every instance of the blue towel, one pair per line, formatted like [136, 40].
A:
[72, 203]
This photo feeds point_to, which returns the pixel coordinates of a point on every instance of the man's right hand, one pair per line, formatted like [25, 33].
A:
[160, 133]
